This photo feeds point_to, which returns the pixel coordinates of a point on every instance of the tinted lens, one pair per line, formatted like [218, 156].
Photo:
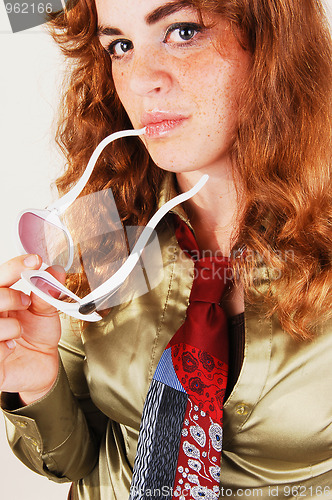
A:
[50, 289]
[39, 236]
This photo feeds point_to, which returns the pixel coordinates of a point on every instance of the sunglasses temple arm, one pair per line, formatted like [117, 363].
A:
[93, 305]
[63, 203]
[113, 283]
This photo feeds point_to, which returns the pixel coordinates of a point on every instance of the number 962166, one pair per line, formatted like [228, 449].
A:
[307, 491]
[28, 8]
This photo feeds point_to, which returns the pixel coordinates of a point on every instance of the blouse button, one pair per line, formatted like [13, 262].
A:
[242, 409]
[34, 443]
[19, 423]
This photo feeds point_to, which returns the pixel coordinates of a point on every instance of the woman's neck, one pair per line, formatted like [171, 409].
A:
[214, 213]
[214, 210]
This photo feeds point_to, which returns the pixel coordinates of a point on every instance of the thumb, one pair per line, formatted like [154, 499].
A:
[40, 306]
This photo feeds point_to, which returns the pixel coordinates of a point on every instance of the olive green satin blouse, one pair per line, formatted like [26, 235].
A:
[277, 420]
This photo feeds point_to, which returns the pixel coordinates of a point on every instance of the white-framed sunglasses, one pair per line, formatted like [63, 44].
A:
[35, 228]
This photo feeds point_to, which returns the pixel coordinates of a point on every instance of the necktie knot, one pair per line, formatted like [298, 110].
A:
[212, 274]
[211, 280]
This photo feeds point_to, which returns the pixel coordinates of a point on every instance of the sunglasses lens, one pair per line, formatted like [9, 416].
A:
[50, 289]
[40, 237]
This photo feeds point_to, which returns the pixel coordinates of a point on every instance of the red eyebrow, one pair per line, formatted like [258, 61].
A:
[108, 31]
[166, 10]
[156, 15]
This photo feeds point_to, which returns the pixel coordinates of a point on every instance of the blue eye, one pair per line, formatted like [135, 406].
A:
[118, 48]
[182, 32]
[186, 33]
[177, 35]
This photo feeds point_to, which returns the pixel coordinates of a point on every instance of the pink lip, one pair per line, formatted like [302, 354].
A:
[160, 123]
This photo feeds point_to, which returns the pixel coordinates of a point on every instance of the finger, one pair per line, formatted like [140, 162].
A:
[10, 328]
[10, 272]
[6, 348]
[39, 306]
[13, 300]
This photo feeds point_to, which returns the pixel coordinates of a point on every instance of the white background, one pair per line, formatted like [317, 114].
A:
[30, 78]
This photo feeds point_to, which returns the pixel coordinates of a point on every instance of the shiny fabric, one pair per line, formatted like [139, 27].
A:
[277, 419]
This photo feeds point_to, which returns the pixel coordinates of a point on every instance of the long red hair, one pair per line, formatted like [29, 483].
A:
[282, 150]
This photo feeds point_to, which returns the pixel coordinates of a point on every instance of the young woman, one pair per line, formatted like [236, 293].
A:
[241, 91]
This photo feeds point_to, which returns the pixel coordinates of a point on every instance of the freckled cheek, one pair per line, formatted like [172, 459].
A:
[121, 83]
[213, 89]
[118, 79]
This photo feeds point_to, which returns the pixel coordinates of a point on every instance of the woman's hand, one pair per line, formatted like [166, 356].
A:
[29, 334]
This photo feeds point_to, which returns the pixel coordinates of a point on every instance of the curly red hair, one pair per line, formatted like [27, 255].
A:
[282, 150]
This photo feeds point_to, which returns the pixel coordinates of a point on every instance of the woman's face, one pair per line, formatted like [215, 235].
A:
[179, 78]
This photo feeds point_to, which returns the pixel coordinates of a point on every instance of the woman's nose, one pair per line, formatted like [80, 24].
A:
[150, 75]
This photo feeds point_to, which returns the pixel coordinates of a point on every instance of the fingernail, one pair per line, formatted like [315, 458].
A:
[11, 344]
[31, 261]
[25, 299]
[59, 269]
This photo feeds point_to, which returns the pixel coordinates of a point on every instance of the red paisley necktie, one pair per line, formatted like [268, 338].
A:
[180, 440]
